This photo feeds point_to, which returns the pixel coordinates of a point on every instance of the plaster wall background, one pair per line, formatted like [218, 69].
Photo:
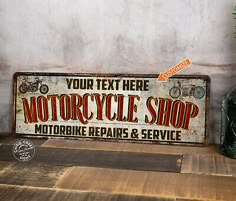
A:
[119, 36]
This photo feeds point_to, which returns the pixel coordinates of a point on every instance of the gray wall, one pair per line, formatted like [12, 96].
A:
[118, 36]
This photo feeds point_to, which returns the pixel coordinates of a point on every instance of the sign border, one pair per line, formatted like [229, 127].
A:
[206, 78]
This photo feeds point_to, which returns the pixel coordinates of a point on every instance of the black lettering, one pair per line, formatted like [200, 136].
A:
[90, 84]
[178, 135]
[62, 130]
[38, 128]
[69, 82]
[56, 129]
[145, 87]
[91, 131]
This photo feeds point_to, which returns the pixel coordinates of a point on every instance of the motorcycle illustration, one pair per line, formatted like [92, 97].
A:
[27, 86]
[185, 89]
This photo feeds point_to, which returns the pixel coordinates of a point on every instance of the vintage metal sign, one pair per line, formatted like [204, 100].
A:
[116, 107]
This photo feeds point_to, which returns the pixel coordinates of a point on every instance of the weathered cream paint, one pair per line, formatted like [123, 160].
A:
[58, 85]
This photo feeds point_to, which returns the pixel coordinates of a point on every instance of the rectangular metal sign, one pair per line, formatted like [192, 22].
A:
[116, 107]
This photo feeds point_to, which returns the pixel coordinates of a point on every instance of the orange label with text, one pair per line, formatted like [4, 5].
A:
[175, 69]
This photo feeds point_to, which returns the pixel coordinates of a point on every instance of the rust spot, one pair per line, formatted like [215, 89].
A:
[18, 111]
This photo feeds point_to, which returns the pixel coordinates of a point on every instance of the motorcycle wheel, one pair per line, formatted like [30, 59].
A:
[175, 92]
[44, 89]
[199, 92]
[23, 88]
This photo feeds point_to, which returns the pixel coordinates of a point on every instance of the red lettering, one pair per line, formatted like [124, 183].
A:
[120, 108]
[65, 107]
[151, 110]
[132, 108]
[100, 104]
[192, 111]
[164, 112]
[86, 106]
[177, 114]
[30, 111]
[43, 109]
[109, 106]
[76, 103]
[53, 99]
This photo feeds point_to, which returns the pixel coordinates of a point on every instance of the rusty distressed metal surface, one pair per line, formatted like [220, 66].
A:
[112, 107]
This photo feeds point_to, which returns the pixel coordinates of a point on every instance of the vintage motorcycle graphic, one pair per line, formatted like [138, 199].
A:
[184, 89]
[27, 86]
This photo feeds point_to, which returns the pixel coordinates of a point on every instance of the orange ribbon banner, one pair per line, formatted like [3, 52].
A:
[175, 69]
